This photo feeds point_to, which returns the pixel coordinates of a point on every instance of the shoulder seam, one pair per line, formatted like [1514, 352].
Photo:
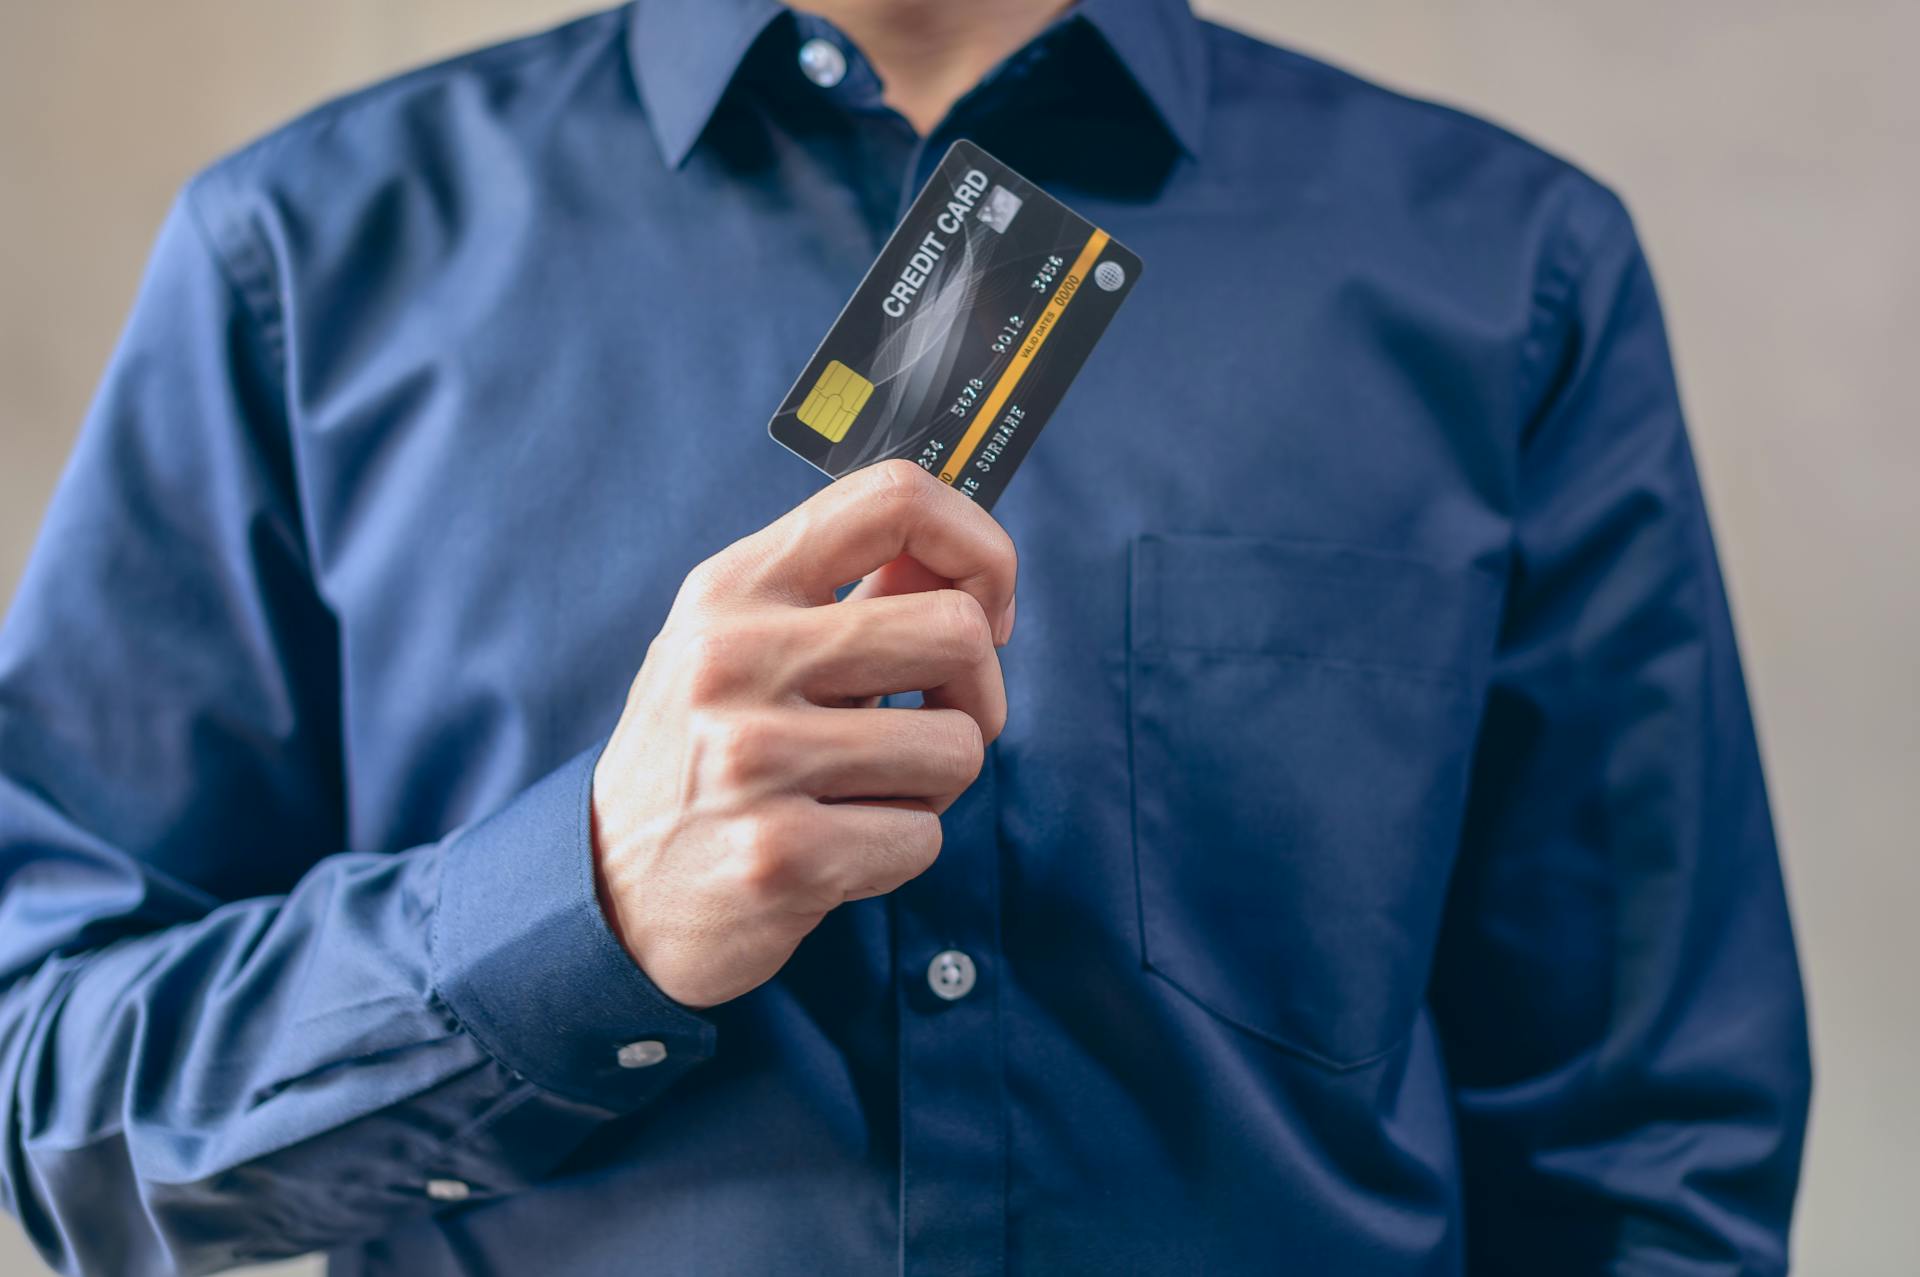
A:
[1566, 262]
[260, 303]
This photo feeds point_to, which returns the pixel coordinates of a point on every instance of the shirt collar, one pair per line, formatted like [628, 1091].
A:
[1162, 46]
[686, 52]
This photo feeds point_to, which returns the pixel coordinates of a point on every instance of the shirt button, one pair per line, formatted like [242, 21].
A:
[448, 1190]
[822, 62]
[950, 975]
[639, 1055]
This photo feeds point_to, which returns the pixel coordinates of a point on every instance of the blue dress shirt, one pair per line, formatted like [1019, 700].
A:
[1375, 876]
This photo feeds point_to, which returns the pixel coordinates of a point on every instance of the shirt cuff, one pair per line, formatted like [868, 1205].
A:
[524, 958]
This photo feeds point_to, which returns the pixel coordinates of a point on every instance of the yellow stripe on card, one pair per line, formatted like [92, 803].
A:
[1011, 374]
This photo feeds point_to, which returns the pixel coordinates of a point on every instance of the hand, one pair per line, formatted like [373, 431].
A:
[751, 784]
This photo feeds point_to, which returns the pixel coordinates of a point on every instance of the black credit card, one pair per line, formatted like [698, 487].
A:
[965, 334]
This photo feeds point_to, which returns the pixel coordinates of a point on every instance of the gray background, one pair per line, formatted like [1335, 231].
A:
[1770, 151]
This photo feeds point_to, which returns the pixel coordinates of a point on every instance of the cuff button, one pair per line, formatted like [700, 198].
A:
[642, 1054]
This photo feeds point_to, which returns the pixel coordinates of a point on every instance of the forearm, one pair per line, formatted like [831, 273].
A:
[292, 1073]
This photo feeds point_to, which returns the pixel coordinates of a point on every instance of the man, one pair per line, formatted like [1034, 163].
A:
[1351, 859]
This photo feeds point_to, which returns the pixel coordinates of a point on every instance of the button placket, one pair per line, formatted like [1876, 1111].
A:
[952, 1068]
[951, 975]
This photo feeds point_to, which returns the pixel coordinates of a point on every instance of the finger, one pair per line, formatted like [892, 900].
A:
[857, 850]
[875, 515]
[936, 642]
[928, 754]
[902, 576]
[979, 693]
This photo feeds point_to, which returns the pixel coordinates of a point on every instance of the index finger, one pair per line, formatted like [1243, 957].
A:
[873, 516]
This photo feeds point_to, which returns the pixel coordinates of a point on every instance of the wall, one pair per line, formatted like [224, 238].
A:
[1771, 152]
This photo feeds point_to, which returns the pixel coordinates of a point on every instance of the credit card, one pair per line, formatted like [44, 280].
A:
[964, 335]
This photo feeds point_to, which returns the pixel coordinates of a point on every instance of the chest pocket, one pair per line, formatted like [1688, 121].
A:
[1302, 720]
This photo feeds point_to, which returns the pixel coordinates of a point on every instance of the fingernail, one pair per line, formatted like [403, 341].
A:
[1006, 622]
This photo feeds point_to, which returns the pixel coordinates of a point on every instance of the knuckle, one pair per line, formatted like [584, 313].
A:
[923, 845]
[746, 749]
[803, 525]
[1006, 554]
[963, 748]
[1001, 559]
[712, 663]
[706, 579]
[705, 644]
[758, 866]
[897, 479]
[962, 625]
[995, 721]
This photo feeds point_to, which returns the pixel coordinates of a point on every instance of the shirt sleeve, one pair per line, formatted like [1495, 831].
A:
[221, 1038]
[1616, 987]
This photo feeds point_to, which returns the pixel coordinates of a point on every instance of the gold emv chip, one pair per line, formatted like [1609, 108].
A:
[835, 400]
